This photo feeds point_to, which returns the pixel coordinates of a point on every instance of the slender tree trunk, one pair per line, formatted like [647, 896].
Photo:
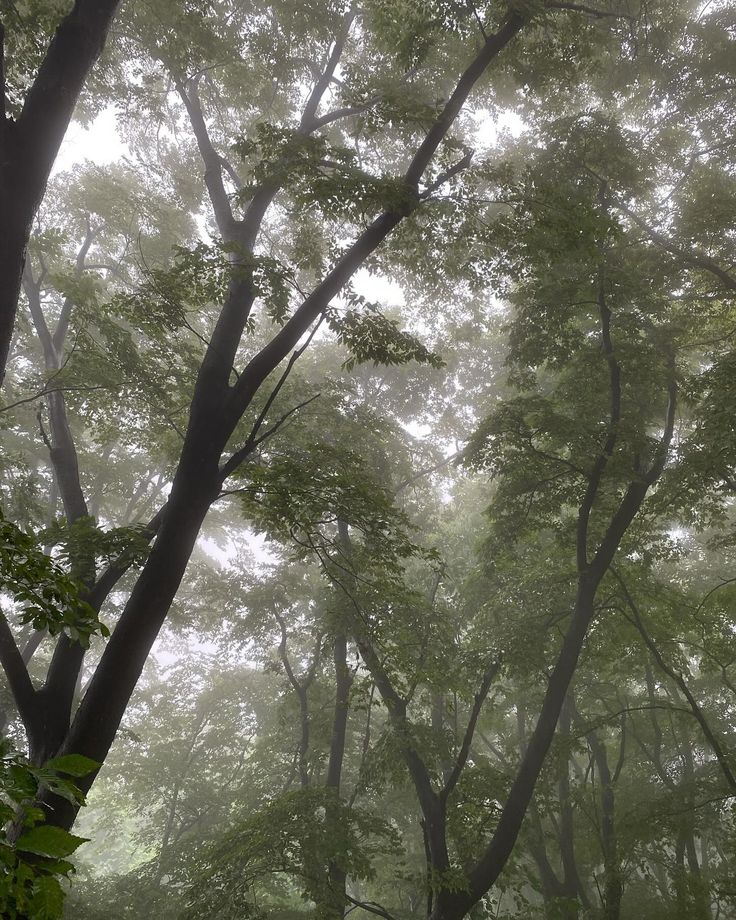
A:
[56, 698]
[336, 874]
[572, 887]
[452, 905]
[612, 888]
[125, 654]
[13, 241]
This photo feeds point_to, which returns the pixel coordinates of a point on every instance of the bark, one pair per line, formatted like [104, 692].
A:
[55, 699]
[46, 712]
[451, 904]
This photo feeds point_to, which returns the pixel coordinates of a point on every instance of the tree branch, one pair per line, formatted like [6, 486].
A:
[344, 112]
[252, 441]
[213, 162]
[693, 257]
[62, 325]
[589, 11]
[50, 102]
[448, 174]
[679, 680]
[369, 906]
[32, 290]
[436, 134]
[614, 418]
[19, 681]
[308, 123]
[462, 757]
[106, 581]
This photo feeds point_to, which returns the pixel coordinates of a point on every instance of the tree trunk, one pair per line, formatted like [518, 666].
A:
[612, 887]
[13, 241]
[337, 876]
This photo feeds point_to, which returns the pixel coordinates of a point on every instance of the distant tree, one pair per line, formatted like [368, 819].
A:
[35, 111]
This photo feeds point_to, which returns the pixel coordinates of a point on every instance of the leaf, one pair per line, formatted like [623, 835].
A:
[73, 765]
[47, 901]
[49, 841]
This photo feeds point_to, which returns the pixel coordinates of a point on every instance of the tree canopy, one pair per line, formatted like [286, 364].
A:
[368, 460]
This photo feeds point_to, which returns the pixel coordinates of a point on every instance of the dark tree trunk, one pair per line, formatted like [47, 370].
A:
[13, 241]
[336, 874]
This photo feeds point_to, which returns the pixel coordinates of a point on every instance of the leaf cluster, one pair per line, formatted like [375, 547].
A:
[49, 598]
[33, 854]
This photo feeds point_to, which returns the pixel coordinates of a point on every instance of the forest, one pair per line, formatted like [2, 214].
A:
[368, 459]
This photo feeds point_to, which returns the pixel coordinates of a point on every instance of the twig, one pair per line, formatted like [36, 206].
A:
[43, 393]
[448, 174]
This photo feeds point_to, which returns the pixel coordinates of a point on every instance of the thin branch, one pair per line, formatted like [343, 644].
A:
[107, 580]
[693, 257]
[344, 112]
[366, 243]
[66, 310]
[300, 687]
[32, 288]
[660, 455]
[614, 419]
[252, 441]
[478, 20]
[462, 756]
[679, 680]
[239, 456]
[44, 436]
[309, 114]
[42, 393]
[590, 11]
[232, 172]
[723, 584]
[621, 751]
[370, 906]
[213, 163]
[436, 134]
[428, 471]
[448, 174]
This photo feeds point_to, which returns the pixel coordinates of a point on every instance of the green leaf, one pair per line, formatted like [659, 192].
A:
[73, 765]
[47, 901]
[49, 841]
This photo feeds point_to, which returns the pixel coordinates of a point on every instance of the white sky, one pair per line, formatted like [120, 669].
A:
[100, 143]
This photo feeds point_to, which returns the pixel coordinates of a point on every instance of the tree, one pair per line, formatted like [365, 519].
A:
[217, 407]
[603, 331]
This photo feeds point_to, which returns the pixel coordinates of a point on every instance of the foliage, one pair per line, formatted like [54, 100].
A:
[34, 854]
[48, 598]
[422, 488]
